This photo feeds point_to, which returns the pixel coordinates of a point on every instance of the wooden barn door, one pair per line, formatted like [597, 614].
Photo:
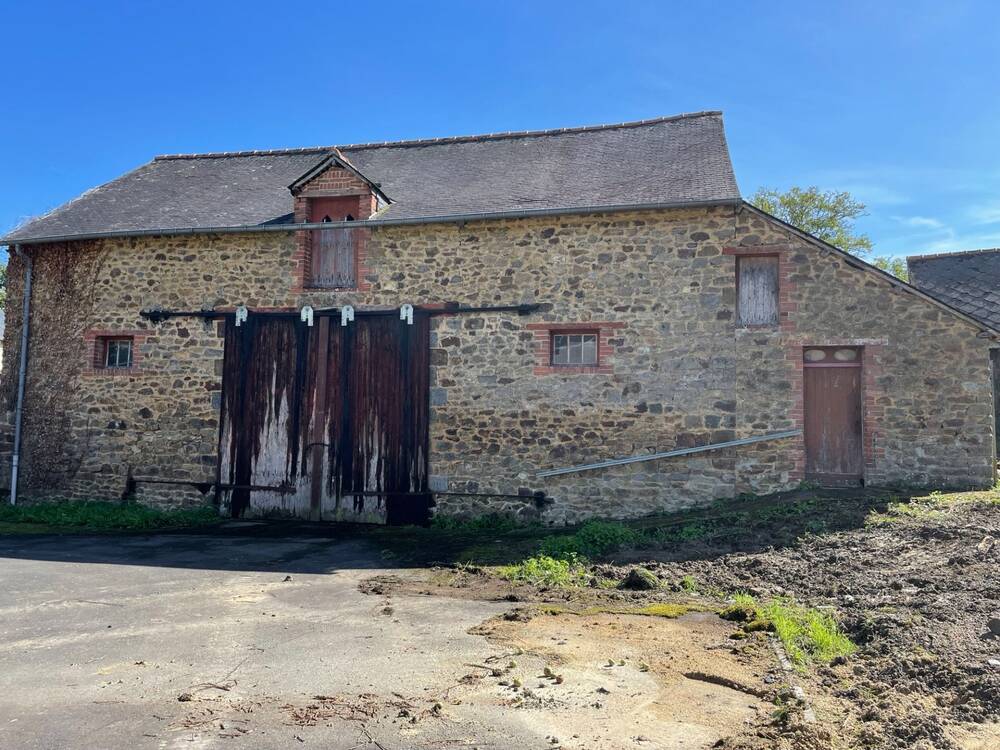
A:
[833, 415]
[372, 423]
[264, 413]
[327, 422]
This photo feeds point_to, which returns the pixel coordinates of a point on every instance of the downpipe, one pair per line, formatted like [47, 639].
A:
[21, 373]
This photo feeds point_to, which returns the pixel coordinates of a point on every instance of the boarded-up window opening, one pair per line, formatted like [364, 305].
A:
[333, 258]
[757, 290]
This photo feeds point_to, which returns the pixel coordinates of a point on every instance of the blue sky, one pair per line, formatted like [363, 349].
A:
[898, 103]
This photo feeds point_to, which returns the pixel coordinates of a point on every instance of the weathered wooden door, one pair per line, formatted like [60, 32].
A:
[264, 389]
[373, 422]
[833, 415]
[326, 421]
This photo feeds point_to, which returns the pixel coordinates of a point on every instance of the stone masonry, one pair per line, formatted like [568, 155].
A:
[674, 370]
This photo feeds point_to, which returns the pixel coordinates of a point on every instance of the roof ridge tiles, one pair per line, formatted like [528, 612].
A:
[258, 152]
[446, 139]
[954, 254]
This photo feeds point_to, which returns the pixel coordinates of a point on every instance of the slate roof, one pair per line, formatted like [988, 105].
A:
[669, 160]
[968, 281]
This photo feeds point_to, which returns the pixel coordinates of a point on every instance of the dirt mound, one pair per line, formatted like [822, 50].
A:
[915, 592]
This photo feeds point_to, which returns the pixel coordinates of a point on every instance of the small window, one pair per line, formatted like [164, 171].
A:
[757, 290]
[118, 353]
[574, 349]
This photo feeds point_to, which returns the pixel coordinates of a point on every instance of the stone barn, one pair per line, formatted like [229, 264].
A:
[968, 281]
[558, 324]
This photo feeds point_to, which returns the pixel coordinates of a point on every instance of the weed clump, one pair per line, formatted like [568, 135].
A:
[807, 634]
[542, 570]
[743, 609]
[640, 579]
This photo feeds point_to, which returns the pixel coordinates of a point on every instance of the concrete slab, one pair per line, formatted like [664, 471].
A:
[99, 636]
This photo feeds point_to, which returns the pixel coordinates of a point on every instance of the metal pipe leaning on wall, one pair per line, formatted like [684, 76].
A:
[21, 373]
[668, 454]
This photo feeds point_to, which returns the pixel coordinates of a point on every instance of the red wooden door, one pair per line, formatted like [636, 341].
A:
[833, 416]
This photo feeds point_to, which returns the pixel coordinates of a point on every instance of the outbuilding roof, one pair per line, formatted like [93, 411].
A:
[670, 160]
[968, 281]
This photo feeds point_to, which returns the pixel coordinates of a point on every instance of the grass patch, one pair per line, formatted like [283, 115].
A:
[932, 506]
[494, 522]
[93, 515]
[542, 570]
[689, 584]
[808, 635]
[665, 609]
[592, 539]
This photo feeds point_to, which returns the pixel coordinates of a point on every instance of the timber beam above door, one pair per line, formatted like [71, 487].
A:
[448, 308]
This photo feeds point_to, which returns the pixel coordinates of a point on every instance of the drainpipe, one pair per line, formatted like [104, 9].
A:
[22, 372]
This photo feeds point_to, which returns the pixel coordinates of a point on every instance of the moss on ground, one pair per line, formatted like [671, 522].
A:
[669, 610]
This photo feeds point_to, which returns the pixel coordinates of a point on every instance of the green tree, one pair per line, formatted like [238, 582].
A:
[828, 215]
[895, 266]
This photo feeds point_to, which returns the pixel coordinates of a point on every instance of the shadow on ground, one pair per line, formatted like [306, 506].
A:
[732, 526]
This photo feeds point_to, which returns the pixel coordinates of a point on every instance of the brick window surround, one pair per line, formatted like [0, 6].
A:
[96, 349]
[786, 285]
[543, 346]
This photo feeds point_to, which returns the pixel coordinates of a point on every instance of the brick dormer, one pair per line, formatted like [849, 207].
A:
[333, 191]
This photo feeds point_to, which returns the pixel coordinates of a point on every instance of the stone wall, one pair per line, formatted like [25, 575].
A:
[675, 369]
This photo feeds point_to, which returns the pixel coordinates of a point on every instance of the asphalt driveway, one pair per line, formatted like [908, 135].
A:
[262, 633]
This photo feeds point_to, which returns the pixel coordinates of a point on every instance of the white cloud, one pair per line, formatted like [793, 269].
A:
[985, 213]
[919, 222]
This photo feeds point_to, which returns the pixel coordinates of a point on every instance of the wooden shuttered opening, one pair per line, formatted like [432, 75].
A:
[333, 258]
[757, 290]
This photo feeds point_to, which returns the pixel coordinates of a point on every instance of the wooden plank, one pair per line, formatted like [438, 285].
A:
[318, 432]
[333, 258]
[757, 290]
